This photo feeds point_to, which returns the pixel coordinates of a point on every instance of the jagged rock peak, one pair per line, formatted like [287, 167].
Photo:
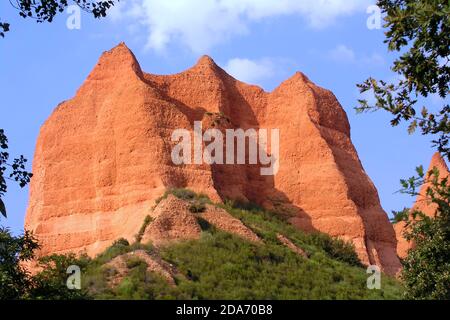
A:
[422, 204]
[118, 59]
[438, 162]
[206, 60]
[104, 157]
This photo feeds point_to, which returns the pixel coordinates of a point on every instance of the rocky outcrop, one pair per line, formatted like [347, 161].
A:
[103, 157]
[222, 220]
[153, 262]
[290, 245]
[173, 222]
[422, 204]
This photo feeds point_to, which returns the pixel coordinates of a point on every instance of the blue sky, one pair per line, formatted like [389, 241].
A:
[258, 41]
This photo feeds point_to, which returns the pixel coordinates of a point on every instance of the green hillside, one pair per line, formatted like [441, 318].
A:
[224, 266]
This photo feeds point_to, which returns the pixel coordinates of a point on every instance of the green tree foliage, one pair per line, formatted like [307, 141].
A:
[401, 215]
[420, 31]
[4, 27]
[15, 282]
[14, 170]
[50, 283]
[426, 271]
[46, 10]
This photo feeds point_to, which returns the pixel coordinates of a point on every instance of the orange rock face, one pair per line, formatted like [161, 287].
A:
[104, 156]
[422, 204]
[173, 222]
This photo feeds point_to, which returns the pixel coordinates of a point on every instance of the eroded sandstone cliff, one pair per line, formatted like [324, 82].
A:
[422, 204]
[104, 156]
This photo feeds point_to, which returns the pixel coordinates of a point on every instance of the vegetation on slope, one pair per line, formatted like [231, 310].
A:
[418, 33]
[223, 266]
[220, 266]
[426, 269]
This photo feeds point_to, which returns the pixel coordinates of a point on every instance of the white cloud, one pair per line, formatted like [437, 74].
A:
[373, 59]
[201, 24]
[250, 71]
[116, 12]
[344, 54]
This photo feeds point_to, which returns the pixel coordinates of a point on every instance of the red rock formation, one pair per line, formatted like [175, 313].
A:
[173, 222]
[104, 156]
[422, 204]
[153, 262]
[224, 221]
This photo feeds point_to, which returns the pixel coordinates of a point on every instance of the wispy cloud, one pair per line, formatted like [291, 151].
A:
[346, 55]
[202, 24]
[251, 71]
[342, 54]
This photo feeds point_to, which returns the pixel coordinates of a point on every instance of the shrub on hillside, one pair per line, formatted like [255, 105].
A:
[184, 194]
[133, 262]
[267, 224]
[144, 226]
[121, 242]
[337, 248]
